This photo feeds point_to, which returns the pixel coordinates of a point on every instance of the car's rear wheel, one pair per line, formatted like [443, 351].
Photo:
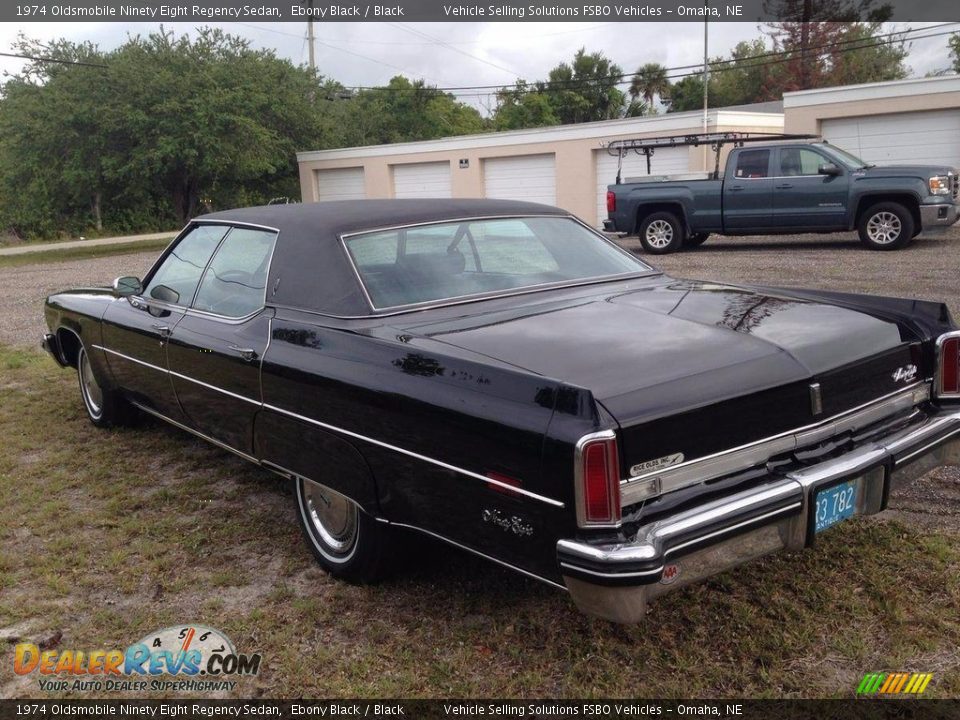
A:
[346, 541]
[104, 407]
[661, 233]
[696, 240]
[886, 226]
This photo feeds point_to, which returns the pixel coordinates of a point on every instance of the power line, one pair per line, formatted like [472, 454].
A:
[58, 61]
[451, 47]
[725, 65]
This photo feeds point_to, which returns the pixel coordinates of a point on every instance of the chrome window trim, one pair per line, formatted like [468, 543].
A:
[189, 309]
[447, 466]
[578, 480]
[743, 457]
[495, 294]
[937, 374]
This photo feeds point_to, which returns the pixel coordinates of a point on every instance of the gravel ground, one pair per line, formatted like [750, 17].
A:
[929, 269]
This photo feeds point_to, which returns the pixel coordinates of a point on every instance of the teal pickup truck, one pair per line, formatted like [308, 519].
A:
[780, 189]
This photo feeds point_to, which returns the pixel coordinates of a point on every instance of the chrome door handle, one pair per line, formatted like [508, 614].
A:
[162, 330]
[245, 353]
[736, 188]
[784, 186]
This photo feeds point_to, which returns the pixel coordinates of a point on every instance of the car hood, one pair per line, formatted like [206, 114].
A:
[921, 171]
[673, 344]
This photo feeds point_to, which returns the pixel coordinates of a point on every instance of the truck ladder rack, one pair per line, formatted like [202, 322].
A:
[716, 140]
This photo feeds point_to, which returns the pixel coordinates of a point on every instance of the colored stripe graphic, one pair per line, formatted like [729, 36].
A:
[894, 683]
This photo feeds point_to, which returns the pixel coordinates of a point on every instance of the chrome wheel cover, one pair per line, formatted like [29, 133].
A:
[89, 388]
[332, 517]
[659, 234]
[884, 228]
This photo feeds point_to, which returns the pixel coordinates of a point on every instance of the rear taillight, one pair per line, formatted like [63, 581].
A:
[611, 202]
[598, 480]
[948, 365]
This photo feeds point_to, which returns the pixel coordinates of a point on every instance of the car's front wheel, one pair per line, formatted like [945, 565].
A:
[346, 541]
[105, 407]
[661, 233]
[886, 226]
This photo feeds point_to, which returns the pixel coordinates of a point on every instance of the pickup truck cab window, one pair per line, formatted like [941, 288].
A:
[800, 161]
[235, 282]
[446, 261]
[176, 279]
[753, 164]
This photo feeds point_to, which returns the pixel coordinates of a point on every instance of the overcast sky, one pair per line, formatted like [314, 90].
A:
[459, 54]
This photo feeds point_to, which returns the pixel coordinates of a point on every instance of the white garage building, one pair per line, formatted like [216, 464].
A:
[906, 121]
[901, 122]
[566, 165]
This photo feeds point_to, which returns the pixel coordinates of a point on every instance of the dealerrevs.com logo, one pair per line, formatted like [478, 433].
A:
[187, 658]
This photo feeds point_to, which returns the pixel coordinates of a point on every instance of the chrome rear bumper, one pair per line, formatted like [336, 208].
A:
[616, 581]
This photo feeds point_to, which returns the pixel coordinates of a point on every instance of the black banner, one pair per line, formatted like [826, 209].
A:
[471, 709]
[478, 11]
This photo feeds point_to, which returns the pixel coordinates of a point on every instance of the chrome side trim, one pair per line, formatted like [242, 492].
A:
[507, 565]
[199, 434]
[344, 431]
[215, 388]
[409, 453]
[131, 359]
[633, 490]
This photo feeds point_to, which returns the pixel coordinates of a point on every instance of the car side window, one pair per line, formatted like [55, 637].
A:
[235, 283]
[176, 280]
[753, 164]
[799, 161]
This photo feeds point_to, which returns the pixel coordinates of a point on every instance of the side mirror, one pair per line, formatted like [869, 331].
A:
[828, 169]
[127, 285]
[165, 294]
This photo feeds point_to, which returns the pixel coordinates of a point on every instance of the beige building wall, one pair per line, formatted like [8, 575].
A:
[572, 146]
[805, 111]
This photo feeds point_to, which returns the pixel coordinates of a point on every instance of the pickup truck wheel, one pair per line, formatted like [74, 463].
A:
[105, 408]
[661, 233]
[696, 240]
[347, 542]
[886, 226]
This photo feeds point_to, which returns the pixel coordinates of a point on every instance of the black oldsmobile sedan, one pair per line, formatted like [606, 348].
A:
[499, 376]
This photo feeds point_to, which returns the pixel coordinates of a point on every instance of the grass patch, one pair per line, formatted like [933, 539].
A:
[82, 253]
[108, 535]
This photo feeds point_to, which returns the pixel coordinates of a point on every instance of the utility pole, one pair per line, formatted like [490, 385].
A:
[706, 75]
[310, 38]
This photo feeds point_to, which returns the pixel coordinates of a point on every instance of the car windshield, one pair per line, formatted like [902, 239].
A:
[446, 261]
[848, 159]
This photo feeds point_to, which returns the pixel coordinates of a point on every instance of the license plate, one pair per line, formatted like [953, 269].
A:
[835, 504]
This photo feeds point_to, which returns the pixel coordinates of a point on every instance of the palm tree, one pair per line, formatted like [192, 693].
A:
[649, 82]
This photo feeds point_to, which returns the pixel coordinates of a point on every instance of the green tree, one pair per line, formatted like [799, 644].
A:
[649, 83]
[402, 111]
[954, 44]
[169, 126]
[523, 106]
[586, 89]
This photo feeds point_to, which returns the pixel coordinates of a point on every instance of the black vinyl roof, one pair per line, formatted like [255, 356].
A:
[310, 268]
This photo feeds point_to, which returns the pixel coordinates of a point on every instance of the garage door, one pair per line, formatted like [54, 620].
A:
[931, 137]
[664, 161]
[422, 180]
[340, 184]
[532, 178]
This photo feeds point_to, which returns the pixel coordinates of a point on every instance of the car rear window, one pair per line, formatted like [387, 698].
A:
[446, 261]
